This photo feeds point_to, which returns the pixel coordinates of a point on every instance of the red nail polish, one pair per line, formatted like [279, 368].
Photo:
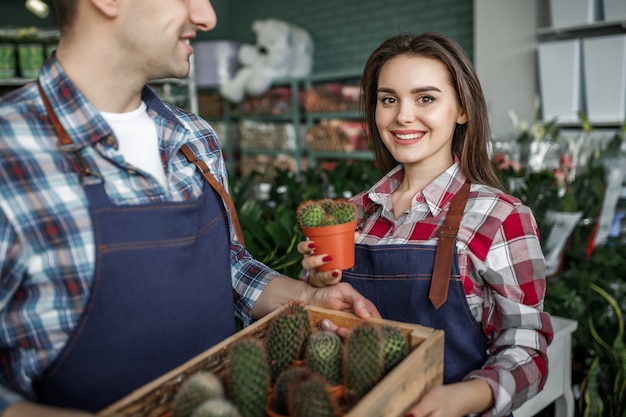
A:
[312, 246]
[335, 274]
[410, 415]
[327, 258]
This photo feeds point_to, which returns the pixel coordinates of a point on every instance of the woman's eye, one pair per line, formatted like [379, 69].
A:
[425, 99]
[388, 100]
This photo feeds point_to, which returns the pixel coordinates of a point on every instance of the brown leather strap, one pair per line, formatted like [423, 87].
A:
[206, 173]
[64, 138]
[445, 248]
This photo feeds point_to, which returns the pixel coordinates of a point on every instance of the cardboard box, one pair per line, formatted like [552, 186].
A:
[604, 60]
[391, 397]
[561, 80]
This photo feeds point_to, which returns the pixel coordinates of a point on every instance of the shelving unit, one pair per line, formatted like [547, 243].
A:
[293, 112]
[549, 36]
[316, 116]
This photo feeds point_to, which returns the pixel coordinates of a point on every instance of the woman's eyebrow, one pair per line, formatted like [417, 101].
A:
[413, 91]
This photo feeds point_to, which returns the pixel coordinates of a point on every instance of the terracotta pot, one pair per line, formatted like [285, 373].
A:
[269, 406]
[337, 241]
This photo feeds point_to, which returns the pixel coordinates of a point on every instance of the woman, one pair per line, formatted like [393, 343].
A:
[480, 275]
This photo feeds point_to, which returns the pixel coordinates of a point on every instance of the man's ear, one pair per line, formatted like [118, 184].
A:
[109, 8]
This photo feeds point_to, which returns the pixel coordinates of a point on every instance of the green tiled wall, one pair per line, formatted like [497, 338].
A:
[346, 31]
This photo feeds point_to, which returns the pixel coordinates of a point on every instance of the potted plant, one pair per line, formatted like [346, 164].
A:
[331, 224]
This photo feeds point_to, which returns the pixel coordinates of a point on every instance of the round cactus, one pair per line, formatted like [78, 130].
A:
[396, 347]
[311, 398]
[216, 407]
[310, 214]
[324, 355]
[285, 340]
[343, 210]
[364, 362]
[288, 378]
[249, 376]
[198, 388]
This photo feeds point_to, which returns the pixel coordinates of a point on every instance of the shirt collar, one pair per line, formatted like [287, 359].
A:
[77, 115]
[437, 194]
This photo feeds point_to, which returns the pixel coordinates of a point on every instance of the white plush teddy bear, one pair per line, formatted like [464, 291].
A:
[281, 50]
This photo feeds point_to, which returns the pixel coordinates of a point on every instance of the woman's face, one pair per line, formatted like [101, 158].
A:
[417, 110]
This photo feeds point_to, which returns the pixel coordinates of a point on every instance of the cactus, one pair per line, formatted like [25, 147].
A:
[343, 210]
[310, 214]
[285, 380]
[249, 376]
[194, 391]
[298, 308]
[324, 355]
[311, 398]
[364, 362]
[216, 407]
[325, 212]
[396, 347]
[286, 339]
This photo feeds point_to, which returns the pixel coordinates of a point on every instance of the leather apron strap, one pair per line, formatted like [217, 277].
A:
[206, 173]
[445, 247]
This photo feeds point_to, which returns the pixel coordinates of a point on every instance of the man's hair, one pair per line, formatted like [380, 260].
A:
[66, 12]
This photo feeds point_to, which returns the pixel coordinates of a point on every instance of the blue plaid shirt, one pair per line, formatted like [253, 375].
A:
[47, 250]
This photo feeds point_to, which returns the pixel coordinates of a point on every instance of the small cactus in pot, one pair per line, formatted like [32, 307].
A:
[331, 224]
[325, 212]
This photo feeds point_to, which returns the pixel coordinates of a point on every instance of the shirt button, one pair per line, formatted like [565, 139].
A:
[110, 140]
[419, 198]
[131, 172]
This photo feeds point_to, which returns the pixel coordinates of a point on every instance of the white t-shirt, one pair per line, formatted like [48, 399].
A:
[138, 141]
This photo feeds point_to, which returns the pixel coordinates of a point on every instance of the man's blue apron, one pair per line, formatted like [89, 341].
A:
[397, 279]
[161, 294]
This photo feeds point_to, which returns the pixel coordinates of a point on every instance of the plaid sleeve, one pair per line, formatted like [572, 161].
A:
[513, 317]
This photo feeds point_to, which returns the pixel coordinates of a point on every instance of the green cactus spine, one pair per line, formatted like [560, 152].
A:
[324, 355]
[198, 388]
[288, 378]
[285, 340]
[311, 398]
[364, 362]
[216, 407]
[396, 347]
[249, 376]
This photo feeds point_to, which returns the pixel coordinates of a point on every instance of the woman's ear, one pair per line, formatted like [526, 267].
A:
[461, 118]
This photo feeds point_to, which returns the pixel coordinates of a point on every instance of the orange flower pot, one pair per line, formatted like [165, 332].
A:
[337, 241]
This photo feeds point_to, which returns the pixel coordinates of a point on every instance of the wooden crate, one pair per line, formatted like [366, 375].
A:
[391, 397]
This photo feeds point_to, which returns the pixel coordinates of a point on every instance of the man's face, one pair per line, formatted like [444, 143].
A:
[155, 34]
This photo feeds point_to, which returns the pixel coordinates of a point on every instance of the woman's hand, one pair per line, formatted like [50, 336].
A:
[312, 261]
[470, 397]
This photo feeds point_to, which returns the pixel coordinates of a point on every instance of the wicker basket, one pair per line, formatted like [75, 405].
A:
[391, 397]
[261, 135]
[332, 97]
[337, 135]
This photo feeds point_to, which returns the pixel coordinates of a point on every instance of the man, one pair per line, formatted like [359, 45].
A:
[115, 253]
